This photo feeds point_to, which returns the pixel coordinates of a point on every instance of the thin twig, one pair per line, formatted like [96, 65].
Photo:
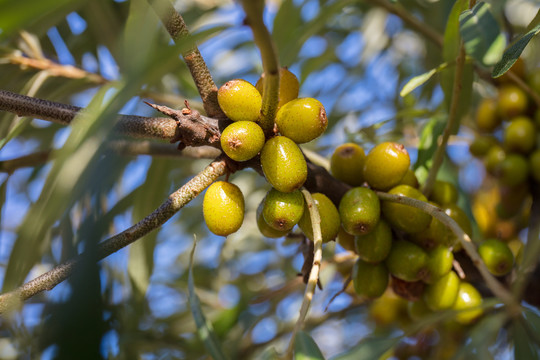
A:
[30, 160]
[451, 124]
[265, 43]
[496, 288]
[314, 274]
[134, 148]
[171, 206]
[175, 25]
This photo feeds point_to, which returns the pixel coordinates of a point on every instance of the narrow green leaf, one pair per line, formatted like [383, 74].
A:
[370, 348]
[204, 327]
[481, 35]
[420, 80]
[428, 142]
[511, 54]
[525, 347]
[270, 354]
[482, 336]
[305, 347]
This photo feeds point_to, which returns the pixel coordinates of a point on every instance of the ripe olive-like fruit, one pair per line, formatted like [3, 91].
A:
[444, 193]
[481, 145]
[283, 164]
[288, 86]
[370, 280]
[461, 218]
[359, 210]
[497, 256]
[346, 240]
[468, 304]
[302, 120]
[266, 229]
[487, 115]
[494, 158]
[534, 165]
[388, 309]
[513, 170]
[439, 263]
[330, 222]
[282, 211]
[223, 208]
[512, 101]
[242, 140]
[436, 233]
[407, 261]
[442, 293]
[410, 179]
[520, 135]
[347, 164]
[375, 246]
[404, 217]
[386, 164]
[240, 100]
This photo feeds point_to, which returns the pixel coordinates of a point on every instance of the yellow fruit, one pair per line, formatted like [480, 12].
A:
[403, 217]
[347, 164]
[330, 222]
[468, 303]
[242, 140]
[302, 120]
[266, 229]
[240, 100]
[283, 164]
[385, 165]
[487, 115]
[223, 208]
[288, 86]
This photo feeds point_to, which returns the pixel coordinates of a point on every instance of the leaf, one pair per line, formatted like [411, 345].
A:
[204, 327]
[370, 348]
[428, 142]
[525, 347]
[481, 35]
[305, 347]
[511, 54]
[482, 336]
[419, 80]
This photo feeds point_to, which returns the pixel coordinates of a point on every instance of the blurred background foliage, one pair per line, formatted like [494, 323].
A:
[354, 56]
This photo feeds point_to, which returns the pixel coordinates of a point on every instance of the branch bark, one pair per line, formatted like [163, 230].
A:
[171, 206]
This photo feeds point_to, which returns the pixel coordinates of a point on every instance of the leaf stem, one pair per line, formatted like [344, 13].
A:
[314, 274]
[162, 214]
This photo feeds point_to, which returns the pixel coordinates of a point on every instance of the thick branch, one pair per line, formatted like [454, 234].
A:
[175, 25]
[171, 206]
[29, 160]
[134, 148]
[194, 128]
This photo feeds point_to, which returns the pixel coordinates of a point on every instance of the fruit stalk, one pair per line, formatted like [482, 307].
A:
[496, 288]
[158, 217]
[265, 43]
[314, 274]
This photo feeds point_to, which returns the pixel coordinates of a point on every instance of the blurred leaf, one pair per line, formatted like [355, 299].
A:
[511, 54]
[481, 35]
[204, 327]
[370, 348]
[525, 347]
[305, 347]
[428, 142]
[270, 353]
[482, 336]
[419, 80]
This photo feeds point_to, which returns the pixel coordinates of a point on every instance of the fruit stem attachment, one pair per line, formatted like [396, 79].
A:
[493, 284]
[451, 124]
[314, 274]
[265, 43]
[158, 217]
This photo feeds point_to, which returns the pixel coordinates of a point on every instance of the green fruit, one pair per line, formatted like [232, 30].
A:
[240, 100]
[516, 246]
[385, 165]
[520, 135]
[512, 101]
[481, 145]
[418, 310]
[461, 218]
[534, 165]
[439, 263]
[347, 164]
[494, 158]
[330, 222]
[266, 229]
[407, 261]
[282, 211]
[359, 210]
[468, 304]
[497, 256]
[288, 86]
[513, 170]
[223, 208]
[302, 120]
[410, 179]
[242, 140]
[443, 292]
[375, 246]
[369, 280]
[534, 80]
[487, 115]
[436, 233]
[403, 217]
[345, 239]
[283, 164]
[444, 193]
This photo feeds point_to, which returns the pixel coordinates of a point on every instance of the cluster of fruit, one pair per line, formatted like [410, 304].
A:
[298, 120]
[397, 244]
